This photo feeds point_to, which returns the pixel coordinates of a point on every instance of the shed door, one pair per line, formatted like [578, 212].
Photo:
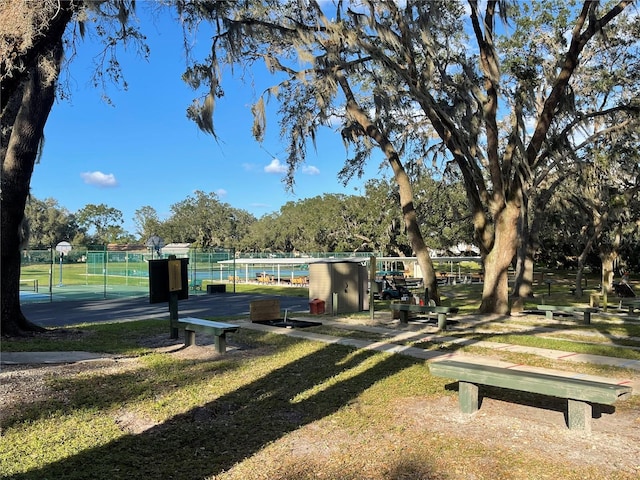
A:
[345, 284]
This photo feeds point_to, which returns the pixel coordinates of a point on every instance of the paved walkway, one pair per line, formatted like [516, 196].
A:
[30, 358]
[394, 344]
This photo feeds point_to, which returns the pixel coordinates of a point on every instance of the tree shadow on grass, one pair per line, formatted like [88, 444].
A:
[100, 391]
[210, 439]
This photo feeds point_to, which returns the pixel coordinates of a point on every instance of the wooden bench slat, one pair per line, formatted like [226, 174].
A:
[423, 308]
[551, 309]
[207, 324]
[565, 308]
[533, 382]
[580, 393]
[192, 325]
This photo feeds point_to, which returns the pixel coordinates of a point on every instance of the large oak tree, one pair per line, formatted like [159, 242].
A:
[32, 36]
[32, 52]
[392, 75]
[396, 74]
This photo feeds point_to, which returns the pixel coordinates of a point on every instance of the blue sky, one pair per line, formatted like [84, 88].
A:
[142, 150]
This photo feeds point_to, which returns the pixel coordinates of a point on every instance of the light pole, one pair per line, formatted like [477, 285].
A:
[233, 219]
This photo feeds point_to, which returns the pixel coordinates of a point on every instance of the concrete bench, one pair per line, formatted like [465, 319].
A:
[219, 330]
[550, 310]
[442, 312]
[580, 393]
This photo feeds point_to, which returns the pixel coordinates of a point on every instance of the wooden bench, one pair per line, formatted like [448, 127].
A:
[192, 325]
[442, 312]
[580, 393]
[550, 310]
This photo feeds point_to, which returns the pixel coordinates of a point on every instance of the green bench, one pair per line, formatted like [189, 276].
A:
[219, 330]
[442, 312]
[550, 310]
[580, 393]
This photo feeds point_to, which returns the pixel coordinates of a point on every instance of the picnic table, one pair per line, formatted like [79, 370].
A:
[442, 312]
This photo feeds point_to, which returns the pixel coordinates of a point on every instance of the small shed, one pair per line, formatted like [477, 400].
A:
[342, 283]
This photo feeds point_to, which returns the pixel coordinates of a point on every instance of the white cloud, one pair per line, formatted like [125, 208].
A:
[275, 167]
[99, 179]
[221, 192]
[311, 170]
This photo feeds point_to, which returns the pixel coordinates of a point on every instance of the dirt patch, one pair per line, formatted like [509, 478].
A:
[29, 384]
[613, 441]
[129, 422]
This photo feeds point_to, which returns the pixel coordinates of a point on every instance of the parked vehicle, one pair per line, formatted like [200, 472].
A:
[392, 290]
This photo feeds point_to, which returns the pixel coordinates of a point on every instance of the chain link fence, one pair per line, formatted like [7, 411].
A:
[102, 273]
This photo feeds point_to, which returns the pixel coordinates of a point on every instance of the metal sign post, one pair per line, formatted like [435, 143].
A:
[62, 248]
[372, 285]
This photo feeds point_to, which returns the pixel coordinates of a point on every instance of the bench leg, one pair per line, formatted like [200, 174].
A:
[175, 333]
[221, 343]
[404, 316]
[548, 314]
[587, 318]
[468, 397]
[442, 321]
[579, 415]
[189, 338]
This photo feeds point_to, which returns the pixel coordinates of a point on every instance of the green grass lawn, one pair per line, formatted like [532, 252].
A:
[274, 407]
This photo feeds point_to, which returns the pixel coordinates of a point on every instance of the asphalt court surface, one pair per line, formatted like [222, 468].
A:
[59, 314]
[68, 313]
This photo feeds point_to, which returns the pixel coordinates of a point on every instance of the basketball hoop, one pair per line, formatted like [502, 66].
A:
[62, 248]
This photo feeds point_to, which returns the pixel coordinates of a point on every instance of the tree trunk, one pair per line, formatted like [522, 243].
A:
[523, 284]
[24, 116]
[579, 276]
[582, 258]
[406, 192]
[415, 236]
[607, 274]
[495, 294]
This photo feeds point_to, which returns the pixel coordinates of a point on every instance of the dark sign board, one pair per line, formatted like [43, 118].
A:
[160, 283]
